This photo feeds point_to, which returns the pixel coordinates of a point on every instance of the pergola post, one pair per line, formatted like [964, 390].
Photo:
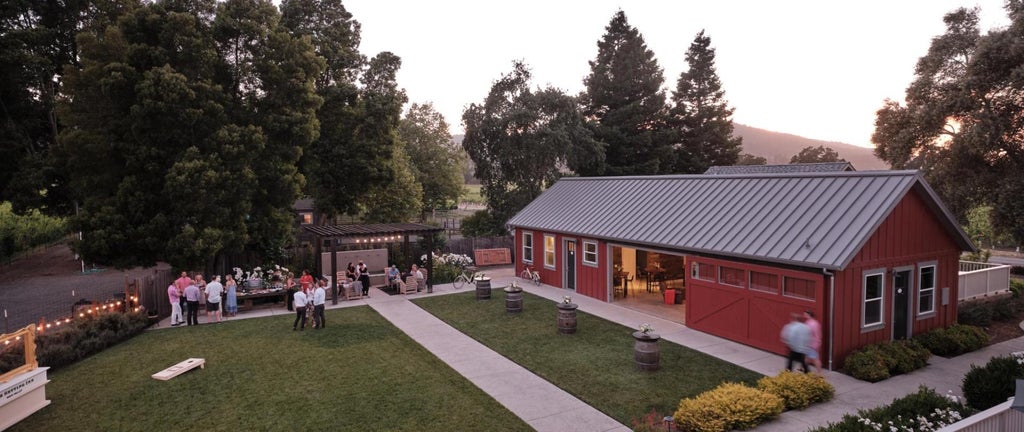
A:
[430, 261]
[334, 272]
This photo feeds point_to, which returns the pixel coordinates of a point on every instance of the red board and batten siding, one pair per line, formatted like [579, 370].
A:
[909, 236]
[591, 281]
[746, 315]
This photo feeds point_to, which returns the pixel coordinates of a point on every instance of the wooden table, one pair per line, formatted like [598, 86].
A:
[624, 276]
[245, 300]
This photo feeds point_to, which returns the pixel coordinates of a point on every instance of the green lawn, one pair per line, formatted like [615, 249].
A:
[595, 364]
[359, 374]
[473, 194]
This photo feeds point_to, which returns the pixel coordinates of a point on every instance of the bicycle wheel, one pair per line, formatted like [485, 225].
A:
[525, 275]
[536, 278]
[460, 281]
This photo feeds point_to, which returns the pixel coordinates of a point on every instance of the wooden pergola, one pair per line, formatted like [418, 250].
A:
[369, 233]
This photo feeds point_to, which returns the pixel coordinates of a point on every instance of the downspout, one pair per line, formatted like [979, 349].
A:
[831, 312]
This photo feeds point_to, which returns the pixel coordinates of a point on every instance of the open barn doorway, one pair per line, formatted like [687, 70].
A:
[650, 281]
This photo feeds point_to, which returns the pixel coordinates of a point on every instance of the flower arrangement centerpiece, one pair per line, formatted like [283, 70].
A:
[646, 328]
[566, 300]
[258, 277]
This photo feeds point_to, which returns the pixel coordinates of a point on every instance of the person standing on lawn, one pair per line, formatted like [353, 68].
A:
[181, 283]
[797, 337]
[319, 300]
[231, 302]
[175, 298]
[815, 345]
[299, 301]
[306, 280]
[213, 294]
[192, 294]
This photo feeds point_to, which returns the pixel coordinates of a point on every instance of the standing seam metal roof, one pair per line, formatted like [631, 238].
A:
[818, 219]
[780, 169]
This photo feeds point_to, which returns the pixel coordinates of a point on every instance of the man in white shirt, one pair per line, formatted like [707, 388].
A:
[213, 291]
[300, 310]
[319, 298]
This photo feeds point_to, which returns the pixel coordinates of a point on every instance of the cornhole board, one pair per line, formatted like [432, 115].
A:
[180, 368]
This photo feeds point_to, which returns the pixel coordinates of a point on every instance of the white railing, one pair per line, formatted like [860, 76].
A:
[1000, 418]
[981, 279]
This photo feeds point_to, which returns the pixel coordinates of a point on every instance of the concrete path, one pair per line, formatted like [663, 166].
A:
[545, 407]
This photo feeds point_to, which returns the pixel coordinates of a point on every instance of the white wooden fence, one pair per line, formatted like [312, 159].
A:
[981, 279]
[1000, 418]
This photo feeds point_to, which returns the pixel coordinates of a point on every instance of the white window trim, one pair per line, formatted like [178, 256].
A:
[864, 326]
[585, 252]
[935, 282]
[554, 250]
[721, 280]
[532, 247]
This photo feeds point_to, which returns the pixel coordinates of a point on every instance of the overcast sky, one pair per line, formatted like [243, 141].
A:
[818, 69]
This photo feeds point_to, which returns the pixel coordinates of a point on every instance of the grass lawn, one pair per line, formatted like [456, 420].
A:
[359, 374]
[595, 364]
[473, 194]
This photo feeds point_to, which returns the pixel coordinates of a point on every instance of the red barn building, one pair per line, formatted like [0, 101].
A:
[874, 254]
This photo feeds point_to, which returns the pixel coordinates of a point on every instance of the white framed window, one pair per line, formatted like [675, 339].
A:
[527, 247]
[732, 276]
[589, 253]
[874, 300]
[926, 289]
[549, 251]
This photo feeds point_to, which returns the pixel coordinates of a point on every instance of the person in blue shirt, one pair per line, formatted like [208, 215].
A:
[797, 337]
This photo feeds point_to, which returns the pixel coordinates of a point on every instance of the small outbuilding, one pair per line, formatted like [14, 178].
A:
[873, 254]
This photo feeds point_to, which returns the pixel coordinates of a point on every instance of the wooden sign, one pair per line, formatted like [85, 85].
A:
[180, 368]
[486, 257]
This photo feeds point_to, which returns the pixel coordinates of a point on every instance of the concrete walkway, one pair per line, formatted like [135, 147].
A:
[547, 408]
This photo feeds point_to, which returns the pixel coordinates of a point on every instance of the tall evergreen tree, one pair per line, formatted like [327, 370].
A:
[624, 98]
[523, 140]
[701, 114]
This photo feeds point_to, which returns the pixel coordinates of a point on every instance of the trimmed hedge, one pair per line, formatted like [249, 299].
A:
[877, 362]
[922, 411]
[988, 386]
[953, 340]
[726, 407]
[79, 339]
[798, 390]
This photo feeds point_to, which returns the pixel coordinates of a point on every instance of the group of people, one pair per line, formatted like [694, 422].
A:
[802, 337]
[309, 302]
[185, 293]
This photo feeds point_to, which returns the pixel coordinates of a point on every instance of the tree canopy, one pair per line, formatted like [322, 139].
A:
[436, 161]
[701, 115]
[961, 123]
[624, 98]
[522, 140]
[185, 124]
[811, 154]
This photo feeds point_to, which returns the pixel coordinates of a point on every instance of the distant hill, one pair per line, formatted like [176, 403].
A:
[779, 147]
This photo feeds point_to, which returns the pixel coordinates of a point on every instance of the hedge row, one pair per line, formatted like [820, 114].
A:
[81, 338]
[736, 406]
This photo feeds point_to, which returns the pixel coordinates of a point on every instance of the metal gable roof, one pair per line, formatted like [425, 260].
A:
[819, 219]
[780, 169]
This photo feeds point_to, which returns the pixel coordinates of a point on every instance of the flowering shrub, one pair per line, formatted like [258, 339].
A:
[646, 328]
[727, 407]
[798, 390]
[923, 411]
[457, 260]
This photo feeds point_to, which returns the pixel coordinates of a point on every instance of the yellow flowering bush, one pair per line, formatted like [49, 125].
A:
[798, 390]
[728, 406]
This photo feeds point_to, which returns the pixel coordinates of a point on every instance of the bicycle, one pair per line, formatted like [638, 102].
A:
[468, 276]
[530, 274]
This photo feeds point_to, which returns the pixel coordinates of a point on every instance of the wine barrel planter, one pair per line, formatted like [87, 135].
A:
[646, 354]
[483, 288]
[567, 318]
[513, 299]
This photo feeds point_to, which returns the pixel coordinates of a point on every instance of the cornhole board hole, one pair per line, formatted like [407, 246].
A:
[180, 368]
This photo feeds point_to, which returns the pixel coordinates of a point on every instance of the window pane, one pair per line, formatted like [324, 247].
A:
[872, 312]
[764, 282]
[590, 253]
[549, 251]
[873, 287]
[528, 247]
[732, 276]
[926, 304]
[704, 271]
[799, 288]
[927, 277]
